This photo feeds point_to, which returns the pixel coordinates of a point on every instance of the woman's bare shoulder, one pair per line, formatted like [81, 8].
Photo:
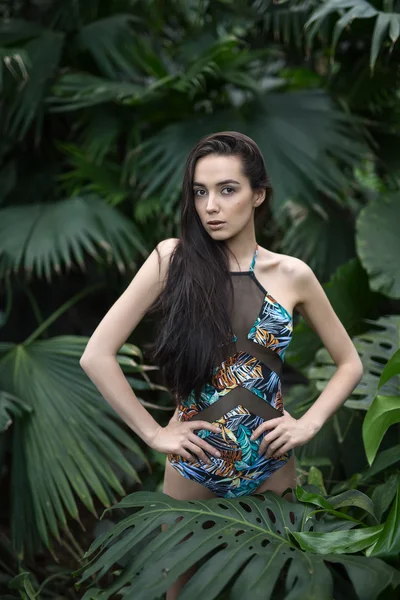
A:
[165, 250]
[288, 265]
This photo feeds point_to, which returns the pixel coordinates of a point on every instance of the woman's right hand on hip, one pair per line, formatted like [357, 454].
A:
[178, 437]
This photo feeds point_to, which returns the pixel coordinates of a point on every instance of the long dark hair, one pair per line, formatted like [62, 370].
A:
[194, 304]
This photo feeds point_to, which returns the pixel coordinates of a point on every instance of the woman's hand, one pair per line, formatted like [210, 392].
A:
[286, 433]
[178, 437]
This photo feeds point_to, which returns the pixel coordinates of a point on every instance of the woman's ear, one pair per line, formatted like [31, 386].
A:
[259, 198]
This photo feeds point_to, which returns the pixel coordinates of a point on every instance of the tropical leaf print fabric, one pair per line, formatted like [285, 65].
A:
[273, 327]
[240, 469]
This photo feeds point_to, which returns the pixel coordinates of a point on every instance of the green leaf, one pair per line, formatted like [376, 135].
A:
[388, 542]
[301, 135]
[377, 238]
[391, 369]
[73, 91]
[322, 236]
[333, 503]
[27, 104]
[382, 461]
[382, 24]
[108, 40]
[374, 347]
[383, 412]
[339, 542]
[383, 494]
[23, 582]
[42, 237]
[356, 9]
[68, 445]
[248, 540]
[315, 478]
[10, 407]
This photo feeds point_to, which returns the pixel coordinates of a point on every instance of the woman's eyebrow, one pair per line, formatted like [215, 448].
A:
[219, 183]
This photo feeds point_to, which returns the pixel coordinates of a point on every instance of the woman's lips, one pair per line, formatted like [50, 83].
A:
[216, 225]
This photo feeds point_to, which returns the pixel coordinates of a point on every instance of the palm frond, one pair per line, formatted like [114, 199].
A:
[40, 238]
[387, 23]
[67, 446]
[78, 90]
[15, 31]
[100, 133]
[11, 408]
[322, 236]
[302, 135]
[86, 176]
[44, 54]
[107, 41]
[285, 19]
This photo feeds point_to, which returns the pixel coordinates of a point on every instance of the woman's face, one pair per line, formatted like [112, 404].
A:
[222, 193]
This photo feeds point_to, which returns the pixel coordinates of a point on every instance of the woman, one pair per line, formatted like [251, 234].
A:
[226, 307]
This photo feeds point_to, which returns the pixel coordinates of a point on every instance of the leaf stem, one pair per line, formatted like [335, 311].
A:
[57, 313]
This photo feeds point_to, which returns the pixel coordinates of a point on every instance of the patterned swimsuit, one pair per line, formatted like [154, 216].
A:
[244, 391]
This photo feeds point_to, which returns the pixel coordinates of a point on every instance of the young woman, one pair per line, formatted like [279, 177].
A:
[226, 319]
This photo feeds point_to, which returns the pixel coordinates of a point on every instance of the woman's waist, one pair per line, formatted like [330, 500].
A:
[256, 396]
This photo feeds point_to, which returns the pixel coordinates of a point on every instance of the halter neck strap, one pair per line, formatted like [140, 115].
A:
[253, 262]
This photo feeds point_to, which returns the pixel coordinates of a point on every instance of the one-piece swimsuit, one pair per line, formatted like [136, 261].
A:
[244, 391]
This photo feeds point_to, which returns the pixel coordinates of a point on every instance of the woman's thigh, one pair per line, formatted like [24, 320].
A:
[281, 479]
[181, 488]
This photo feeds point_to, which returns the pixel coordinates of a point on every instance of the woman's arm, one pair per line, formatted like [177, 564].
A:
[285, 433]
[99, 358]
[317, 311]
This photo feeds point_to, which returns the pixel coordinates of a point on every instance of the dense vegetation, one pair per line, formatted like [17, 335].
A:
[100, 103]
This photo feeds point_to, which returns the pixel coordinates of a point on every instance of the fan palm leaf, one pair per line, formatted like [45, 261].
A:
[42, 237]
[301, 134]
[386, 23]
[107, 41]
[44, 54]
[68, 444]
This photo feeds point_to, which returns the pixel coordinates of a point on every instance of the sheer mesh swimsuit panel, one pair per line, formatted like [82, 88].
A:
[243, 392]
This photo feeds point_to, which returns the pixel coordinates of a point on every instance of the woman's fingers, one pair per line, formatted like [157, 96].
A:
[266, 443]
[203, 425]
[203, 444]
[274, 449]
[198, 451]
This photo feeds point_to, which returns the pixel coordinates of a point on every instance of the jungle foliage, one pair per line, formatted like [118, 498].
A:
[100, 103]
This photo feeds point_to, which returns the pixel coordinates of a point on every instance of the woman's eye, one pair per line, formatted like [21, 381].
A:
[225, 188]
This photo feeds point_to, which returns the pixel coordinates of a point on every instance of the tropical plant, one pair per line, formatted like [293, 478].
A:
[267, 546]
[387, 21]
[100, 105]
[63, 448]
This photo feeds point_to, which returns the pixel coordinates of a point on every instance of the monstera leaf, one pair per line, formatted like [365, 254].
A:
[378, 243]
[375, 348]
[259, 545]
